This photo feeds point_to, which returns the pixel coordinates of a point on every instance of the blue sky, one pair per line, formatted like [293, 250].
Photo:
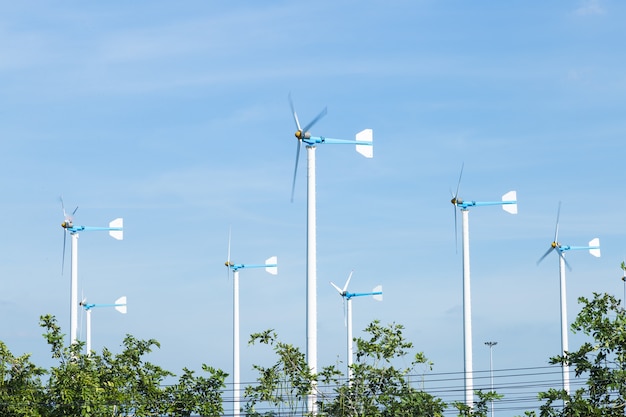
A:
[176, 118]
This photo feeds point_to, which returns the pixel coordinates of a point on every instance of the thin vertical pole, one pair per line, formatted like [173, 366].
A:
[564, 332]
[311, 277]
[467, 313]
[236, 363]
[88, 320]
[74, 290]
[491, 345]
[350, 345]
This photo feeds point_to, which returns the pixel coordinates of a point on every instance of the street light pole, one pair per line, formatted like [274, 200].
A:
[623, 266]
[491, 345]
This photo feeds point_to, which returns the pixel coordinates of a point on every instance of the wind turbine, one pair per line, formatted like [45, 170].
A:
[271, 266]
[364, 146]
[509, 204]
[120, 305]
[116, 231]
[594, 249]
[377, 294]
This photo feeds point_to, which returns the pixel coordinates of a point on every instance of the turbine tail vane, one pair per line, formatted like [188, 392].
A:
[378, 289]
[117, 229]
[510, 202]
[271, 265]
[366, 135]
[594, 247]
[120, 304]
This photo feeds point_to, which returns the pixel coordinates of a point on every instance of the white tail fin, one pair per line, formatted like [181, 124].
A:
[511, 199]
[595, 247]
[366, 135]
[121, 304]
[378, 297]
[272, 267]
[118, 225]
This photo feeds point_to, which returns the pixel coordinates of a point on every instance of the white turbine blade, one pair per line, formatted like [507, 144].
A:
[510, 208]
[228, 255]
[595, 244]
[227, 263]
[565, 260]
[337, 288]
[117, 223]
[366, 135]
[306, 128]
[122, 304]
[556, 228]
[545, 254]
[295, 115]
[378, 297]
[295, 170]
[274, 268]
[345, 287]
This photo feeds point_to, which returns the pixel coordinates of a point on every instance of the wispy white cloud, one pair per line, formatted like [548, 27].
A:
[590, 7]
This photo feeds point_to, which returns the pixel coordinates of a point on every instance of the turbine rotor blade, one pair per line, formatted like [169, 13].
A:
[458, 185]
[295, 170]
[454, 201]
[295, 115]
[345, 287]
[228, 254]
[545, 254]
[565, 260]
[556, 229]
[336, 287]
[315, 120]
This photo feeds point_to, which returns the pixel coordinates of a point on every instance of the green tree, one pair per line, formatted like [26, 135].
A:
[284, 386]
[123, 384]
[21, 391]
[481, 407]
[377, 387]
[601, 361]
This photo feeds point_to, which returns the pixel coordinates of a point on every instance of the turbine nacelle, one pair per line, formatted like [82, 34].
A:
[302, 135]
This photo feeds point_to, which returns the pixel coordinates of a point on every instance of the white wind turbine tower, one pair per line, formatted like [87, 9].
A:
[594, 249]
[509, 204]
[364, 146]
[115, 230]
[271, 266]
[119, 305]
[377, 294]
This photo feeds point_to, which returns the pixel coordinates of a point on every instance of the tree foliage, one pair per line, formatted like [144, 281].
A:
[283, 386]
[376, 388]
[103, 385]
[601, 361]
